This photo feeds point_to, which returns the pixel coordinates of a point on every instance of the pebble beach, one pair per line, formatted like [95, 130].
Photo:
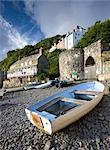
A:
[91, 132]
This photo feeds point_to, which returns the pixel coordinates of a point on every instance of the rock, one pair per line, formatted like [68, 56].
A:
[53, 148]
[107, 118]
[29, 148]
[101, 117]
[17, 133]
[47, 145]
[81, 148]
[80, 144]
[64, 146]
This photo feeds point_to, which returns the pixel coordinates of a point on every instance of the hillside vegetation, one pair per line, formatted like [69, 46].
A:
[14, 55]
[100, 30]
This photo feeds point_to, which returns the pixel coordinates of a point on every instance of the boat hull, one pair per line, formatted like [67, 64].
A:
[54, 113]
[75, 114]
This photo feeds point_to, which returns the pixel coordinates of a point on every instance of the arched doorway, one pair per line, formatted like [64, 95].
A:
[90, 68]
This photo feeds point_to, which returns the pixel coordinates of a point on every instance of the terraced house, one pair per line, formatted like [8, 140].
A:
[26, 69]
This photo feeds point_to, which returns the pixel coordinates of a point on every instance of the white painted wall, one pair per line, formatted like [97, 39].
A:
[23, 72]
[73, 38]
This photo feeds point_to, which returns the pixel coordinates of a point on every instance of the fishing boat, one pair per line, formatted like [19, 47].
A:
[63, 108]
[44, 85]
[40, 85]
[31, 86]
[64, 83]
[14, 89]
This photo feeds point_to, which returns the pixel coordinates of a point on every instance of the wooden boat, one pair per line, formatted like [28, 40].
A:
[64, 108]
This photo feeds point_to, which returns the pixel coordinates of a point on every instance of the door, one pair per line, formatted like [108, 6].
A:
[90, 68]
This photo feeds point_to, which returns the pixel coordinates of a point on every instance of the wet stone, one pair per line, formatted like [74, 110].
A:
[107, 118]
[81, 148]
[47, 145]
[17, 133]
[53, 148]
[64, 146]
[80, 144]
[29, 148]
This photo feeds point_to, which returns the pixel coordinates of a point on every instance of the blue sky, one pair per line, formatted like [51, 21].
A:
[24, 22]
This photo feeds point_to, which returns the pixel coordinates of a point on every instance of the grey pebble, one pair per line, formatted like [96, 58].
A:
[17, 133]
[47, 145]
[64, 146]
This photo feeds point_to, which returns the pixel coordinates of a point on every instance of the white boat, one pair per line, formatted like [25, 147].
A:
[46, 85]
[16, 89]
[63, 108]
[31, 86]
[40, 85]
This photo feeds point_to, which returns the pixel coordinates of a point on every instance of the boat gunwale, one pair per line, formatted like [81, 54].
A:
[57, 94]
[84, 108]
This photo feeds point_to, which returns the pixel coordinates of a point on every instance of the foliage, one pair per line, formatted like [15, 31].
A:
[106, 56]
[41, 76]
[100, 30]
[53, 59]
[14, 55]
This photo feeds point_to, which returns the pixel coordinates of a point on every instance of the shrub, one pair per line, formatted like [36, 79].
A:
[42, 76]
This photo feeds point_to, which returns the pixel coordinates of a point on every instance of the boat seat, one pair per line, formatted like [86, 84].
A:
[61, 105]
[86, 92]
[62, 111]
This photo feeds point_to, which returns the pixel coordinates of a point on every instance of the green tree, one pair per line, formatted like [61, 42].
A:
[100, 30]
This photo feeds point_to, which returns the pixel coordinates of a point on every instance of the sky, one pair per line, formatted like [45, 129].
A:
[26, 22]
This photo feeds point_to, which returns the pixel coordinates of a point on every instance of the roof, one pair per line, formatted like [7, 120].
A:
[18, 63]
[31, 57]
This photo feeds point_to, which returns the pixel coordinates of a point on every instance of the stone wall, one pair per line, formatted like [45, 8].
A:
[93, 51]
[18, 82]
[15, 82]
[99, 67]
[69, 61]
[89, 64]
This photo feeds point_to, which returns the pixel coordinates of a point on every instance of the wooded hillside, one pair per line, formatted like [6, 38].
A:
[100, 30]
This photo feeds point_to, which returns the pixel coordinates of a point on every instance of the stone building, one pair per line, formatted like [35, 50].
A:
[91, 63]
[73, 37]
[69, 61]
[95, 65]
[70, 40]
[26, 69]
[59, 45]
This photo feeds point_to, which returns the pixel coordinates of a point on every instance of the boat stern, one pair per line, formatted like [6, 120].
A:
[39, 121]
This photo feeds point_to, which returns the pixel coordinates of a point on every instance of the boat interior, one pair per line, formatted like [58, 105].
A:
[60, 105]
[86, 92]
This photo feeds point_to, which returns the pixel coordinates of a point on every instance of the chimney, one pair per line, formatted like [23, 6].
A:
[41, 51]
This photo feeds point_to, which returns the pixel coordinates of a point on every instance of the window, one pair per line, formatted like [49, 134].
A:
[25, 63]
[21, 64]
[30, 62]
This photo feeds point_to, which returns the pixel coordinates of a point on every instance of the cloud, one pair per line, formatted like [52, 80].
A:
[10, 38]
[58, 17]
